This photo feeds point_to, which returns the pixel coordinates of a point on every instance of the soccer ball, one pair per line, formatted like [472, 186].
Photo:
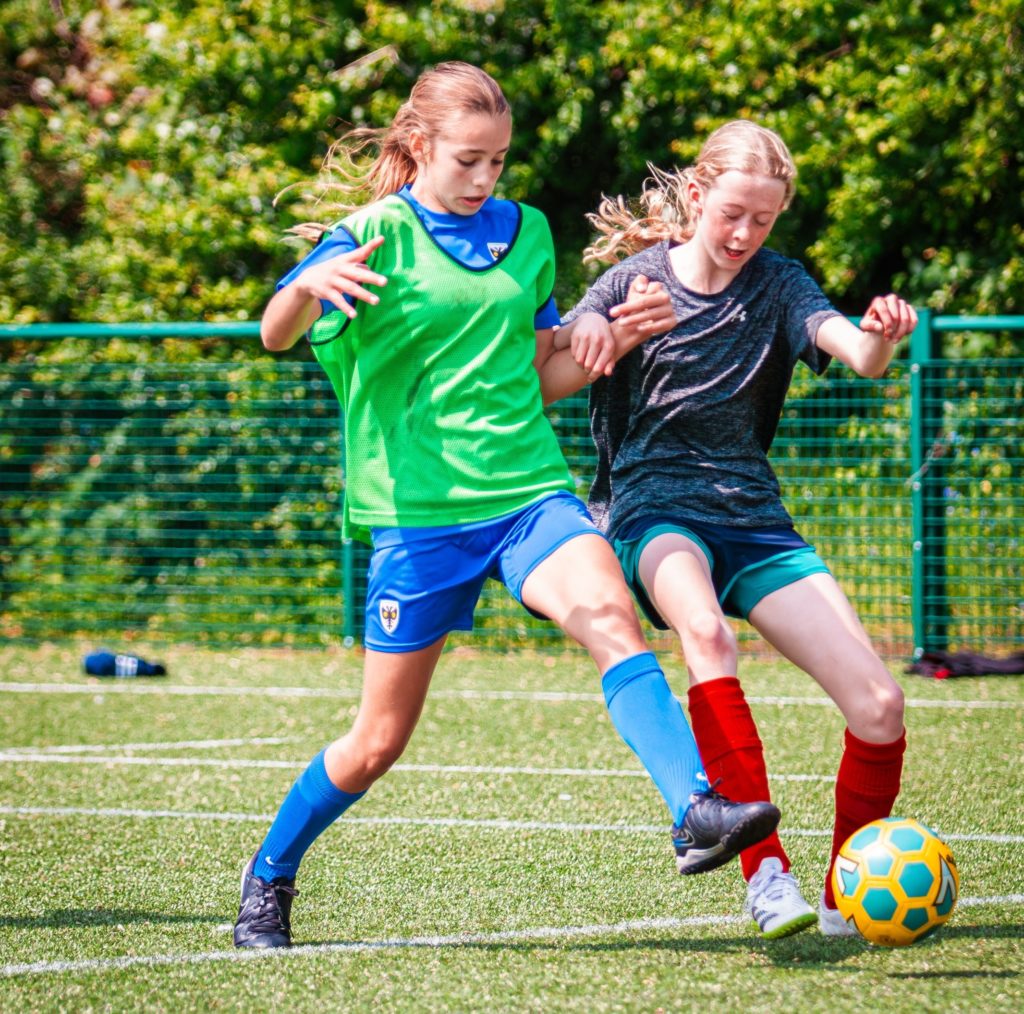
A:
[896, 881]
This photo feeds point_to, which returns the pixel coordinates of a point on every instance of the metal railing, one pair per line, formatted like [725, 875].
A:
[156, 493]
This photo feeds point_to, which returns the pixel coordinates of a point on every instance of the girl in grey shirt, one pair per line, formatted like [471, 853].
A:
[685, 491]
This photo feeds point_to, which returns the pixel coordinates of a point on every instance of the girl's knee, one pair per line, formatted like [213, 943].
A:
[893, 707]
[879, 713]
[375, 755]
[707, 633]
[609, 619]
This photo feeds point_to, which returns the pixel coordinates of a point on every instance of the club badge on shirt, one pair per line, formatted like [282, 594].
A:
[389, 614]
[496, 249]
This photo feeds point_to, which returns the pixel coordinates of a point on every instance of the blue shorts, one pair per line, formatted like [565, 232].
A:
[746, 563]
[425, 582]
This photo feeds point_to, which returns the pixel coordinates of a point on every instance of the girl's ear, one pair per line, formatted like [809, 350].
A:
[694, 195]
[419, 147]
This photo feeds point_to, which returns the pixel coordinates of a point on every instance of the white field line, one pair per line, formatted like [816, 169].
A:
[71, 755]
[458, 822]
[134, 686]
[555, 934]
[184, 744]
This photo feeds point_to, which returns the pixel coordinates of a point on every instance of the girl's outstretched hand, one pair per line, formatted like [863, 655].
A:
[341, 276]
[647, 310]
[889, 316]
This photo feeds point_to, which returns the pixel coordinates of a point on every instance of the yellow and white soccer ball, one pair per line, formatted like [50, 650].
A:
[896, 881]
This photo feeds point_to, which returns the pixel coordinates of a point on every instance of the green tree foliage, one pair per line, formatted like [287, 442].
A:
[141, 149]
[141, 146]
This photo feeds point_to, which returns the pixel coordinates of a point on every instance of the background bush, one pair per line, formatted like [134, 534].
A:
[141, 149]
[141, 146]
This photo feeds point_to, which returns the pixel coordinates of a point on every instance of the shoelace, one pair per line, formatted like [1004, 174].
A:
[779, 886]
[267, 917]
[710, 793]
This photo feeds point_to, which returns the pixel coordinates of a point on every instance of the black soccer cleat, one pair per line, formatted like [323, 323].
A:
[264, 916]
[715, 829]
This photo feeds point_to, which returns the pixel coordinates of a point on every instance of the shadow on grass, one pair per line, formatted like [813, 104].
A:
[808, 950]
[725, 945]
[1013, 929]
[813, 951]
[954, 974]
[83, 917]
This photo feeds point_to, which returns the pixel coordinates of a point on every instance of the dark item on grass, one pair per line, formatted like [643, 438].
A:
[106, 663]
[941, 665]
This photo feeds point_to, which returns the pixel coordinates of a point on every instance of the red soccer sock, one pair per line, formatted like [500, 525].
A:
[866, 788]
[732, 751]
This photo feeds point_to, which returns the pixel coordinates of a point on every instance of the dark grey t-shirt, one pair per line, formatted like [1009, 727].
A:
[684, 424]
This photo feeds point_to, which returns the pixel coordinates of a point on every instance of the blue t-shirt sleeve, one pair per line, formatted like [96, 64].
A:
[332, 245]
[547, 316]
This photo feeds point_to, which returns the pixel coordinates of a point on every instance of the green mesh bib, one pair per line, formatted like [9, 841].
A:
[444, 422]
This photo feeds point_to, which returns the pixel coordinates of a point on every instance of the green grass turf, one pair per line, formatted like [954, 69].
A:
[133, 910]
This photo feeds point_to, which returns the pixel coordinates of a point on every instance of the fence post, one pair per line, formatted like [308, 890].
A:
[928, 581]
[348, 627]
[348, 550]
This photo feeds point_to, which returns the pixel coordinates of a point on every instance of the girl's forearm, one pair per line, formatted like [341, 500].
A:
[875, 355]
[288, 316]
[560, 376]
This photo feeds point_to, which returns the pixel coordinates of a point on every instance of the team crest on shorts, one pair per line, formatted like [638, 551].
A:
[389, 614]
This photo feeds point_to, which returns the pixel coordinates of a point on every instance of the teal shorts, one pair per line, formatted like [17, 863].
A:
[746, 563]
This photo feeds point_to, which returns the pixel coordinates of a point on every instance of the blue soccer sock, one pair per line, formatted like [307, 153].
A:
[651, 721]
[312, 805]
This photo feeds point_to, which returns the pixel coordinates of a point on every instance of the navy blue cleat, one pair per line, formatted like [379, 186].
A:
[264, 916]
[715, 829]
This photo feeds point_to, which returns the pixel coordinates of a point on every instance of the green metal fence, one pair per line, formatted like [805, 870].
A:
[156, 494]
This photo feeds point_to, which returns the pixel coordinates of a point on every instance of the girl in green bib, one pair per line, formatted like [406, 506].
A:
[453, 472]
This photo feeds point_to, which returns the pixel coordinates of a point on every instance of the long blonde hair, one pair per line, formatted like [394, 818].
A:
[350, 176]
[664, 209]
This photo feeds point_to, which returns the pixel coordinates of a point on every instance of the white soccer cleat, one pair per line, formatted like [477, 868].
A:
[831, 922]
[775, 903]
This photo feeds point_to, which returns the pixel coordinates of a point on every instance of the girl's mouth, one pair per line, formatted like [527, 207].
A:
[732, 254]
